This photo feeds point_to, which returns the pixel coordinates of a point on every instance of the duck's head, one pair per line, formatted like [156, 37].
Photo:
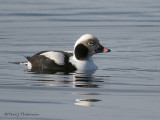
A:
[88, 45]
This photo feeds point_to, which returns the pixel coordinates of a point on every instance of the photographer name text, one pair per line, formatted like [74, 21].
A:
[21, 114]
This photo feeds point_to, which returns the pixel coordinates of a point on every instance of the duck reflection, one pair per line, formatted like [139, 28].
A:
[86, 102]
[48, 71]
[78, 79]
[85, 79]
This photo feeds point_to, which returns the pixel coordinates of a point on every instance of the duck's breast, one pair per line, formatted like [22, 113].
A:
[83, 65]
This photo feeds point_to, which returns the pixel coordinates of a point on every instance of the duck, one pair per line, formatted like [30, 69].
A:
[78, 59]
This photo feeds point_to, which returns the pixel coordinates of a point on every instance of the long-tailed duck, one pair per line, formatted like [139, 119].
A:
[80, 59]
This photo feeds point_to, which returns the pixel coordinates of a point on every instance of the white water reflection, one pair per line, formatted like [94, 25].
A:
[86, 102]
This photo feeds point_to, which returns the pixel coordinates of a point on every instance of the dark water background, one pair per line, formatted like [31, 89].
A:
[127, 84]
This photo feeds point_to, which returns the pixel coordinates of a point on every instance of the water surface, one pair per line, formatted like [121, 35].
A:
[126, 86]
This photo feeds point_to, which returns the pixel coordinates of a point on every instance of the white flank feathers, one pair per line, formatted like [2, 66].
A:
[29, 65]
[57, 57]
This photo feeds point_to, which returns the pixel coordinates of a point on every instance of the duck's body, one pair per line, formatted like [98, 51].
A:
[57, 60]
[79, 59]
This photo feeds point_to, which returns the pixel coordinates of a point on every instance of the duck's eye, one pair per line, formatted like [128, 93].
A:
[91, 42]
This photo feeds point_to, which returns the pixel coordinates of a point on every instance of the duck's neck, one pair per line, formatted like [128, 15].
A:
[86, 59]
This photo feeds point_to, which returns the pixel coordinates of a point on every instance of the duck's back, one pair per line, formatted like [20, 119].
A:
[58, 60]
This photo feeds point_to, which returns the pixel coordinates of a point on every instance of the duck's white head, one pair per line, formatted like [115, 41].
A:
[88, 45]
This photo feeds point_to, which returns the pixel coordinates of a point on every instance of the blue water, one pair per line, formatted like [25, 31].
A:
[127, 84]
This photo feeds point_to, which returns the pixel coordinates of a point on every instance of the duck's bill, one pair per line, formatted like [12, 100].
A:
[102, 49]
[106, 50]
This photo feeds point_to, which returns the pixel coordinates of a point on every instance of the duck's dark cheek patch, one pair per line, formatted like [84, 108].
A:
[81, 52]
